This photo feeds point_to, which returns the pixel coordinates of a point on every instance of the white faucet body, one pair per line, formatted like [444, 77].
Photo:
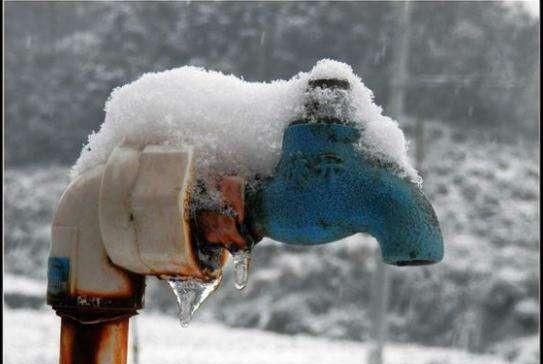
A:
[117, 223]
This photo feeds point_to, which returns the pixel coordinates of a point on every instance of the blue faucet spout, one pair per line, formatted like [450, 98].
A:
[325, 188]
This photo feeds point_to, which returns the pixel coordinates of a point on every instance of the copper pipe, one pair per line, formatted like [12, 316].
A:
[97, 343]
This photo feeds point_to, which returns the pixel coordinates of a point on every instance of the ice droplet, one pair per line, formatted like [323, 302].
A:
[242, 260]
[190, 293]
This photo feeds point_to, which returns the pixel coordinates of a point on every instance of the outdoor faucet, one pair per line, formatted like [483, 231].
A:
[137, 215]
[324, 189]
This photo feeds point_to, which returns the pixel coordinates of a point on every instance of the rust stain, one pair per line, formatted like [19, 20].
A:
[194, 267]
[233, 193]
[218, 227]
[190, 245]
[99, 343]
[206, 232]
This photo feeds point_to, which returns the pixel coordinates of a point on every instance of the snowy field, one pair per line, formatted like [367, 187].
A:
[31, 336]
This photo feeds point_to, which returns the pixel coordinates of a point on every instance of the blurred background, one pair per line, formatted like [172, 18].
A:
[462, 78]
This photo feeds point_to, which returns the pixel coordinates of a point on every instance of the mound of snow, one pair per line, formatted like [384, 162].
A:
[235, 126]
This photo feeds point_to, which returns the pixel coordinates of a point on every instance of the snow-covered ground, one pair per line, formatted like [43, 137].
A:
[31, 336]
[17, 284]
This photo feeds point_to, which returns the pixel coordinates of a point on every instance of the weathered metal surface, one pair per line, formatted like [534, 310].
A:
[223, 228]
[90, 307]
[208, 259]
[75, 236]
[99, 343]
[329, 83]
[325, 188]
[144, 209]
[141, 209]
[220, 229]
[83, 283]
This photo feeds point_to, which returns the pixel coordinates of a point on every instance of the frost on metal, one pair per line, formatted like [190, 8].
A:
[235, 126]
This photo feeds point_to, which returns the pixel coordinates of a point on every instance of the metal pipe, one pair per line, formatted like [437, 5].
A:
[97, 343]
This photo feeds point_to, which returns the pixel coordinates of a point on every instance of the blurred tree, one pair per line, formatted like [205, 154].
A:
[485, 53]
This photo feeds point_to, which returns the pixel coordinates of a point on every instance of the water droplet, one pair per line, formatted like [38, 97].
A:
[190, 293]
[242, 260]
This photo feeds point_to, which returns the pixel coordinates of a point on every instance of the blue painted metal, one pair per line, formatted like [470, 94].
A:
[58, 273]
[325, 189]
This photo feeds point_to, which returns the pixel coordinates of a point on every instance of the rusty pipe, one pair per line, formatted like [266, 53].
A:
[97, 343]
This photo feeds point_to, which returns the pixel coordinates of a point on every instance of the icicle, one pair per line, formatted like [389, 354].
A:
[190, 293]
[242, 260]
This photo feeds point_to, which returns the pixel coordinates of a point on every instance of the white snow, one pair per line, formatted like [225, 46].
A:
[32, 336]
[16, 284]
[235, 126]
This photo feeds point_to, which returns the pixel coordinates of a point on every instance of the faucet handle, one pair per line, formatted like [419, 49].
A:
[328, 101]
[329, 83]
